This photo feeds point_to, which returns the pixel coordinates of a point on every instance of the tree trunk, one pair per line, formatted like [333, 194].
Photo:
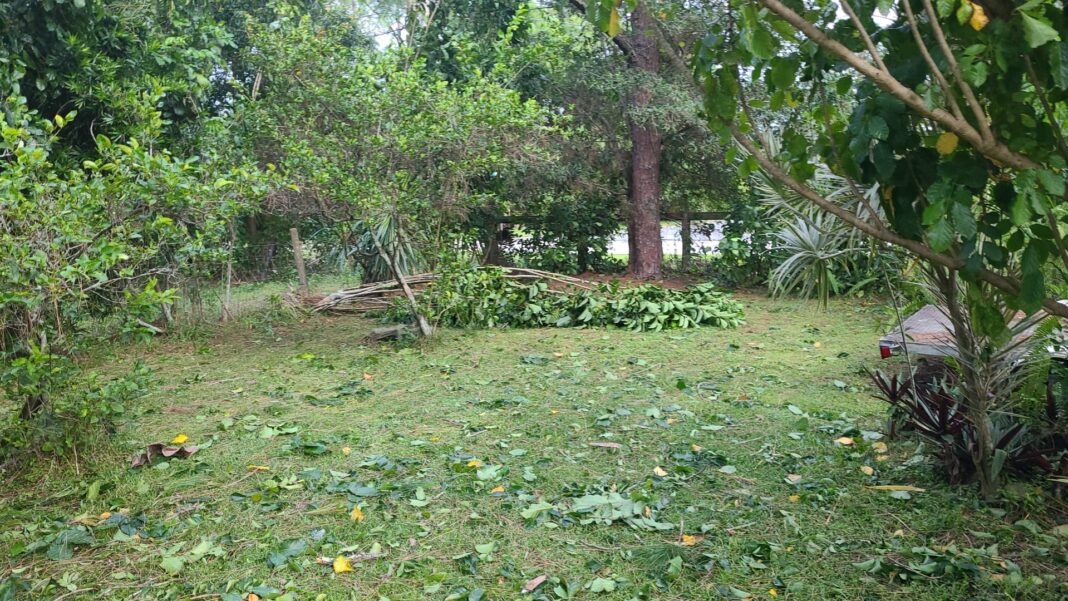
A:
[390, 259]
[687, 237]
[493, 244]
[583, 254]
[975, 385]
[647, 251]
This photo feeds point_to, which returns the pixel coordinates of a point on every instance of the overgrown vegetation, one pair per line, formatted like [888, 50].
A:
[157, 153]
[112, 237]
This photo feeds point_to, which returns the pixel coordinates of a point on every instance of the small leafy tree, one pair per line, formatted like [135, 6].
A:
[99, 240]
[375, 136]
[950, 108]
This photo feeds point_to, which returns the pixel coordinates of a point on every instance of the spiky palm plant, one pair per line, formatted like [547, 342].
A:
[819, 246]
[817, 250]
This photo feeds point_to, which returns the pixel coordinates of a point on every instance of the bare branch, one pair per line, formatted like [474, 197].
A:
[969, 96]
[872, 50]
[1003, 283]
[947, 91]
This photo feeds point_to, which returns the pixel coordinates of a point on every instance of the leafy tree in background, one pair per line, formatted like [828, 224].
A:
[376, 136]
[104, 58]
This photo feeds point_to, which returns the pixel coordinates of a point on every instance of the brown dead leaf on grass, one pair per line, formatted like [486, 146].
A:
[159, 449]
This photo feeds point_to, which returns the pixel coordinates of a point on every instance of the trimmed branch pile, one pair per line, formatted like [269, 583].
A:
[380, 295]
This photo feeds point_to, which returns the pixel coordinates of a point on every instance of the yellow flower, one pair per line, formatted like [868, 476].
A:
[180, 439]
[357, 514]
[794, 498]
[696, 448]
[346, 451]
[342, 564]
[474, 463]
[689, 540]
[659, 471]
[979, 18]
[947, 143]
[496, 490]
[772, 592]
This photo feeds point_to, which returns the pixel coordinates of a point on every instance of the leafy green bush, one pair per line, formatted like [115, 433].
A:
[485, 297]
[70, 406]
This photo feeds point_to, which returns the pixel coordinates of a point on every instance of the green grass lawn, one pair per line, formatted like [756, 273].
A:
[472, 464]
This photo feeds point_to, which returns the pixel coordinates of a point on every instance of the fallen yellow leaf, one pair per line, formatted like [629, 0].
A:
[259, 468]
[342, 564]
[793, 478]
[474, 463]
[772, 592]
[794, 498]
[879, 446]
[947, 143]
[180, 439]
[346, 451]
[253, 597]
[979, 18]
[867, 469]
[696, 448]
[356, 514]
[881, 457]
[496, 489]
[817, 344]
[367, 376]
[554, 411]
[845, 441]
[659, 471]
[892, 487]
[558, 355]
[689, 540]
[647, 512]
[105, 515]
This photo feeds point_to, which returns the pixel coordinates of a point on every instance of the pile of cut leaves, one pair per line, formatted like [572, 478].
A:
[485, 297]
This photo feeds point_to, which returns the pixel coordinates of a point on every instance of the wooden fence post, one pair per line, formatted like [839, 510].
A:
[298, 258]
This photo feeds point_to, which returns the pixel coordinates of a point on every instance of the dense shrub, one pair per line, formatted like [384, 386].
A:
[74, 406]
[934, 408]
[486, 297]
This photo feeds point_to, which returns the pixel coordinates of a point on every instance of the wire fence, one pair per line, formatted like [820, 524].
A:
[264, 277]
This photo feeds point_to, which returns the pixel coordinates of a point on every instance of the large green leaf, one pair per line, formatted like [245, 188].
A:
[762, 44]
[1038, 31]
[1032, 282]
[1058, 65]
[288, 551]
[941, 235]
